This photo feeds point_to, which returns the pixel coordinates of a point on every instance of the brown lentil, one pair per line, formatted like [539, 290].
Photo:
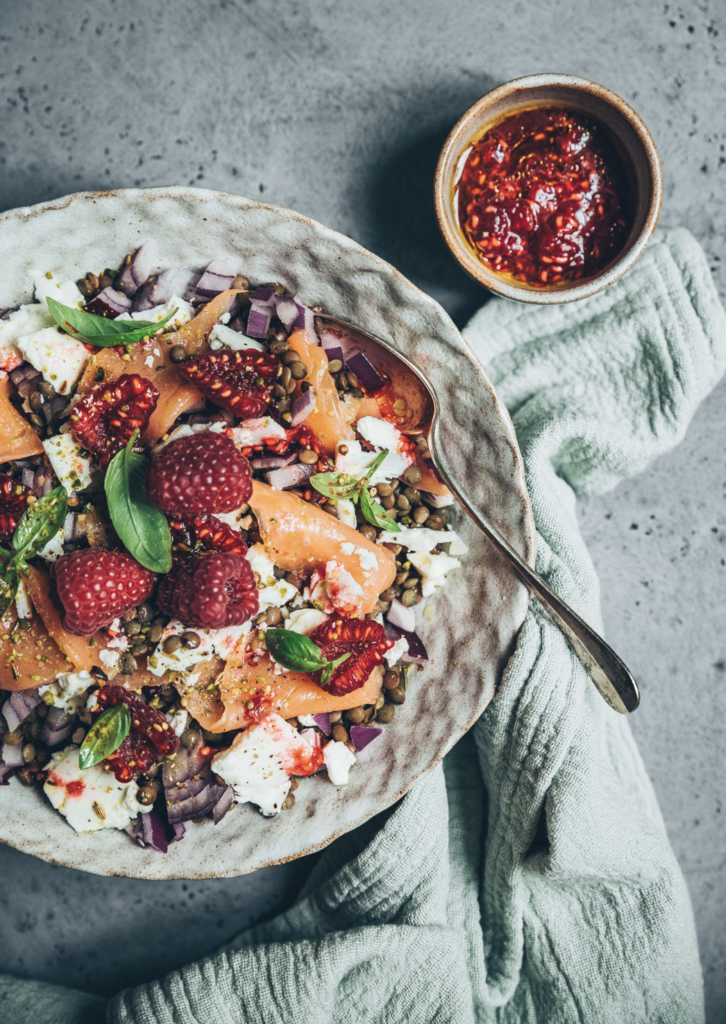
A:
[189, 738]
[278, 345]
[410, 598]
[127, 664]
[290, 389]
[178, 354]
[308, 457]
[294, 783]
[171, 644]
[144, 613]
[355, 716]
[28, 753]
[335, 716]
[391, 679]
[298, 370]
[289, 802]
[340, 734]
[389, 593]
[285, 376]
[368, 531]
[412, 475]
[146, 795]
[191, 640]
[385, 714]
[140, 650]
[14, 738]
[412, 494]
[435, 523]
[402, 503]
[335, 366]
[388, 501]
[132, 628]
[273, 616]
[155, 632]
[420, 515]
[396, 696]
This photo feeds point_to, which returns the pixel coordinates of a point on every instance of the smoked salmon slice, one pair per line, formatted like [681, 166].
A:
[18, 440]
[28, 656]
[328, 420]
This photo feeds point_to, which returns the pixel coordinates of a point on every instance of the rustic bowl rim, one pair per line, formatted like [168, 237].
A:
[463, 132]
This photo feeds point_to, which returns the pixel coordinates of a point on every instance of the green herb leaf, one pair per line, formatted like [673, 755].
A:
[106, 735]
[331, 667]
[40, 522]
[331, 485]
[99, 330]
[376, 514]
[374, 466]
[294, 651]
[142, 528]
[9, 583]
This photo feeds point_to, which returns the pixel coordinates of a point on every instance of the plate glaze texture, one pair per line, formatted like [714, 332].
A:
[478, 613]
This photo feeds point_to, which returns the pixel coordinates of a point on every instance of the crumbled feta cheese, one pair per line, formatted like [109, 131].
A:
[184, 313]
[456, 544]
[182, 660]
[258, 762]
[22, 601]
[71, 467]
[347, 548]
[225, 337]
[345, 511]
[433, 568]
[92, 703]
[343, 590]
[236, 520]
[305, 620]
[338, 760]
[25, 320]
[356, 462]
[69, 690]
[396, 652]
[109, 658]
[49, 287]
[54, 548]
[423, 539]
[257, 431]
[178, 719]
[367, 559]
[60, 358]
[225, 318]
[272, 593]
[89, 799]
[225, 640]
[307, 720]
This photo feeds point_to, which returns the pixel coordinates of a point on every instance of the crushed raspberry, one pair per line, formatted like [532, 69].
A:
[199, 474]
[365, 640]
[96, 586]
[210, 591]
[145, 720]
[135, 756]
[104, 419]
[13, 502]
[238, 381]
[207, 532]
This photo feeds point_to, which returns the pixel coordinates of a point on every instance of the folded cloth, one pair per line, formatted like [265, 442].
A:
[530, 878]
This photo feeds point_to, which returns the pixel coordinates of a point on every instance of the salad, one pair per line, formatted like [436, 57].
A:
[216, 543]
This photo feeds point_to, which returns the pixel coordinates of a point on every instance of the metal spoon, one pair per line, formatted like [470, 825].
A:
[608, 672]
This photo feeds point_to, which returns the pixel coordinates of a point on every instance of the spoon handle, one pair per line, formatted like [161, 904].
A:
[609, 673]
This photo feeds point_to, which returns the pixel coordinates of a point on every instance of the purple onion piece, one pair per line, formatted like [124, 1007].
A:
[416, 650]
[364, 370]
[57, 727]
[258, 321]
[54, 407]
[302, 407]
[187, 781]
[323, 723]
[290, 476]
[263, 297]
[287, 311]
[175, 281]
[143, 263]
[305, 317]
[27, 478]
[28, 384]
[23, 371]
[18, 706]
[218, 277]
[222, 802]
[274, 461]
[109, 303]
[176, 833]
[331, 342]
[150, 831]
[362, 735]
[401, 616]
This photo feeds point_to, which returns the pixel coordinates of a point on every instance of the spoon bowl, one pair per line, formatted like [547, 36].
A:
[420, 417]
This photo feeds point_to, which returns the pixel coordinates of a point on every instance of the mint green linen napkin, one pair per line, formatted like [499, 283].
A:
[530, 878]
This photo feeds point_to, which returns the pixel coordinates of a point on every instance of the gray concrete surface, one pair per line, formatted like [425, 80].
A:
[339, 110]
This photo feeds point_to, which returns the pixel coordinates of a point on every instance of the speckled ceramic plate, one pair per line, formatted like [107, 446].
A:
[477, 615]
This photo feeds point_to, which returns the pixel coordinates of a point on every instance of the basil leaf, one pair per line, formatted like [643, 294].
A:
[142, 527]
[374, 465]
[105, 735]
[99, 330]
[331, 486]
[331, 667]
[376, 514]
[294, 651]
[40, 522]
[9, 583]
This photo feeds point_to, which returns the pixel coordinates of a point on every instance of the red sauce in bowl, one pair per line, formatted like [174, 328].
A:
[543, 197]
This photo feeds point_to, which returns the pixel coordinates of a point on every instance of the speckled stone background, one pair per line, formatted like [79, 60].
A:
[339, 110]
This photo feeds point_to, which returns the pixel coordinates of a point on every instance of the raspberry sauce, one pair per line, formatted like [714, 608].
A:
[542, 197]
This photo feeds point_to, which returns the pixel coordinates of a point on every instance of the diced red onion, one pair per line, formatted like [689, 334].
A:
[57, 727]
[364, 370]
[362, 735]
[188, 786]
[289, 476]
[331, 341]
[302, 407]
[175, 281]
[18, 706]
[263, 296]
[323, 723]
[401, 616]
[274, 461]
[12, 756]
[222, 802]
[27, 478]
[416, 650]
[109, 303]
[218, 277]
[258, 321]
[23, 371]
[305, 318]
[28, 384]
[54, 407]
[287, 311]
[150, 830]
[143, 263]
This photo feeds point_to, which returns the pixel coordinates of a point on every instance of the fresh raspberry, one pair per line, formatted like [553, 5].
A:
[104, 419]
[238, 381]
[208, 532]
[365, 640]
[13, 502]
[151, 736]
[199, 474]
[210, 591]
[95, 586]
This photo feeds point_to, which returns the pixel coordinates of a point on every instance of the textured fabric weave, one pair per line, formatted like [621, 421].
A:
[529, 879]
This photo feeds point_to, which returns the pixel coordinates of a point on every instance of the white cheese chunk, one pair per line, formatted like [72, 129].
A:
[184, 658]
[272, 593]
[345, 511]
[184, 313]
[255, 764]
[178, 719]
[60, 358]
[256, 431]
[225, 640]
[338, 760]
[71, 467]
[342, 589]
[69, 690]
[396, 652]
[66, 292]
[433, 568]
[23, 604]
[109, 658]
[356, 462]
[89, 799]
[423, 539]
[225, 337]
[305, 620]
